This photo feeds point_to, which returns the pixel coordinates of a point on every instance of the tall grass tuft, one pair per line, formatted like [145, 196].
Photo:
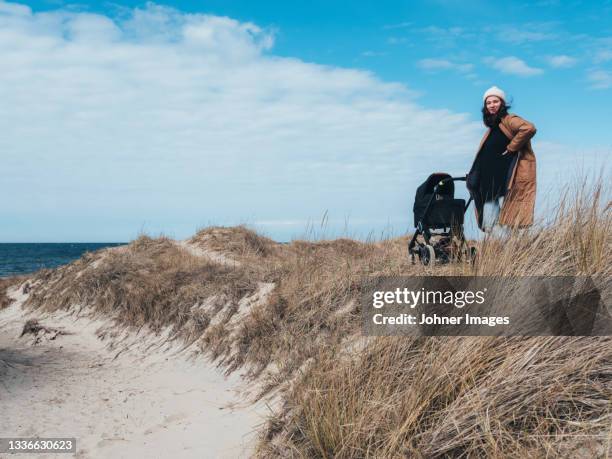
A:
[5, 284]
[469, 397]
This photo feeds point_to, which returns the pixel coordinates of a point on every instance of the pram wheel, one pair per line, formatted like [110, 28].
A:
[465, 253]
[427, 255]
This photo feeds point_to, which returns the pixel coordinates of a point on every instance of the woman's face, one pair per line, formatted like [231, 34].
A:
[493, 103]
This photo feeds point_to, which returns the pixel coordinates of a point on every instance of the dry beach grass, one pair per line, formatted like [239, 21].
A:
[5, 284]
[288, 314]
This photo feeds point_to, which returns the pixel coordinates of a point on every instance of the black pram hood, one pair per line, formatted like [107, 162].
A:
[426, 189]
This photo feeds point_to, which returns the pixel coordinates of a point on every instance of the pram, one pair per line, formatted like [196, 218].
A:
[435, 208]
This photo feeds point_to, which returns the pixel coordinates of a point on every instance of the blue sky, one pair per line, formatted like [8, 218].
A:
[164, 117]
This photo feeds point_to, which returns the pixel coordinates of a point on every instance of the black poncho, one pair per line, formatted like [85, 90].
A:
[493, 167]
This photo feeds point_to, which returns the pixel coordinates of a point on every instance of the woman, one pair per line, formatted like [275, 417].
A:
[502, 179]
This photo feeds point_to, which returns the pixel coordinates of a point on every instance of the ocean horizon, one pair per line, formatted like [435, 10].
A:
[17, 258]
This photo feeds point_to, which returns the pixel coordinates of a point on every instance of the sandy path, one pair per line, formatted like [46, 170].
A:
[144, 403]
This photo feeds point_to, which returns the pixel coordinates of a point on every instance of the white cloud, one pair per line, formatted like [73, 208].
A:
[446, 37]
[521, 36]
[167, 121]
[15, 9]
[561, 61]
[603, 55]
[435, 64]
[441, 31]
[173, 120]
[397, 40]
[400, 25]
[600, 79]
[525, 33]
[373, 53]
[443, 64]
[512, 65]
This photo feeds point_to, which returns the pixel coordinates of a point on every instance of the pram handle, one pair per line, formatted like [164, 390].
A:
[449, 179]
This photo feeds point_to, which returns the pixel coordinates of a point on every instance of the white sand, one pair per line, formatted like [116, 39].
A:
[143, 403]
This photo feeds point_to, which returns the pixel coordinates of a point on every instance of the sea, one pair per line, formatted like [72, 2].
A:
[24, 258]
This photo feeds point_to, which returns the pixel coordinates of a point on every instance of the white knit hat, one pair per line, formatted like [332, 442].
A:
[494, 91]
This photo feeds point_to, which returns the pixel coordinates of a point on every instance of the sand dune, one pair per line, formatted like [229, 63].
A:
[288, 317]
[140, 400]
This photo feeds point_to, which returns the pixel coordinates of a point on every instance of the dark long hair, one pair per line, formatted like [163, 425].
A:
[493, 120]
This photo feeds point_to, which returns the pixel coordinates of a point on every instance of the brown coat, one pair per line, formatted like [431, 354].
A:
[519, 202]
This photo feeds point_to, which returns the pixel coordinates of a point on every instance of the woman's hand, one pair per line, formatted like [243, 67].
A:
[508, 152]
